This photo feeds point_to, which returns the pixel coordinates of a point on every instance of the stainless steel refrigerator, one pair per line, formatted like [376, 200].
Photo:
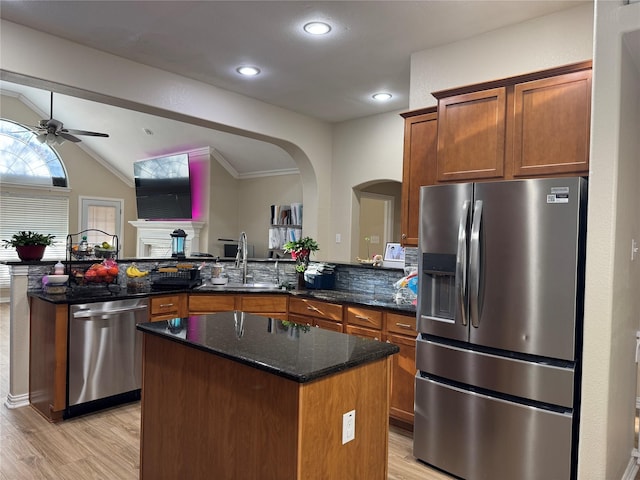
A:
[500, 308]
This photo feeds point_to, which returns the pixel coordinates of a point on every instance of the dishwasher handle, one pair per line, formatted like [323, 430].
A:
[102, 313]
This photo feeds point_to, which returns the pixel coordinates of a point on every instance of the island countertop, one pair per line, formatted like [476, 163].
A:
[296, 352]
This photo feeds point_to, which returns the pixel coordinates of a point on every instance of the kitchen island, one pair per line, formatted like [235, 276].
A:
[235, 395]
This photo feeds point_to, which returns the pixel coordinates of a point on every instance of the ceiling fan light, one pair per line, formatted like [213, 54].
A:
[51, 138]
[59, 140]
[41, 137]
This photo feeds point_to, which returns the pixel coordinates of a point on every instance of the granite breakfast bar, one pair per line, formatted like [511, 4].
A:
[236, 395]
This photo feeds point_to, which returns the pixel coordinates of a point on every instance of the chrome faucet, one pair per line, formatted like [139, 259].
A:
[241, 256]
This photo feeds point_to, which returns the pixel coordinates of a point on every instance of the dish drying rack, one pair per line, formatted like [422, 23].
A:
[175, 277]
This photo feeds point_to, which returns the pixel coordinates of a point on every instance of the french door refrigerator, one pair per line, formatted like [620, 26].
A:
[500, 308]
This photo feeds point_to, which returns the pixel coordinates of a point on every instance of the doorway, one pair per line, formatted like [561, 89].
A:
[378, 217]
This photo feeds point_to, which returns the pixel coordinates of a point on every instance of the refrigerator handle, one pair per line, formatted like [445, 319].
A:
[461, 264]
[474, 264]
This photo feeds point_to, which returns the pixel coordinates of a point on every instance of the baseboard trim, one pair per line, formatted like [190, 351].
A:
[17, 401]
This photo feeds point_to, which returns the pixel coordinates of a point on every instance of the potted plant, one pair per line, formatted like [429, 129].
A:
[300, 251]
[29, 245]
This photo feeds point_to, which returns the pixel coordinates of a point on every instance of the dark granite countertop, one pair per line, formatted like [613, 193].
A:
[335, 296]
[296, 352]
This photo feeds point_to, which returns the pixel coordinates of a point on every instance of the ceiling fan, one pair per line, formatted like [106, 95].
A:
[52, 131]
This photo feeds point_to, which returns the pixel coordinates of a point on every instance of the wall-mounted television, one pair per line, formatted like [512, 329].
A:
[163, 188]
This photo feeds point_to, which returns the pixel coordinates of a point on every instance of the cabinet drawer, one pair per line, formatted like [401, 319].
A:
[263, 303]
[167, 305]
[315, 308]
[328, 325]
[364, 332]
[402, 324]
[364, 317]
[211, 303]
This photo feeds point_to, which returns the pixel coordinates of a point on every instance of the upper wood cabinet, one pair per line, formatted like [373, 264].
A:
[552, 119]
[471, 134]
[532, 125]
[419, 164]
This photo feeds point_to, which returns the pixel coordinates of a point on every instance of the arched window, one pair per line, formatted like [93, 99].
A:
[25, 161]
[30, 169]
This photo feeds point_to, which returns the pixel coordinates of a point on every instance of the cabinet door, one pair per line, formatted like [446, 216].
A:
[471, 135]
[418, 168]
[403, 371]
[203, 304]
[551, 125]
[363, 332]
[263, 303]
[164, 307]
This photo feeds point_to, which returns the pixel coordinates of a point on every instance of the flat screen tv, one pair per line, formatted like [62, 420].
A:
[163, 188]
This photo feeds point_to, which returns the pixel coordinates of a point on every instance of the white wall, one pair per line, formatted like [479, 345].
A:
[611, 305]
[364, 150]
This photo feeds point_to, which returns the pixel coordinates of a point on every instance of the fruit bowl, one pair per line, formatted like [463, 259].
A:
[101, 252]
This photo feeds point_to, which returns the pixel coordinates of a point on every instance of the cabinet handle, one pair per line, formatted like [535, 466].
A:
[164, 305]
[403, 325]
[362, 317]
[312, 308]
[404, 236]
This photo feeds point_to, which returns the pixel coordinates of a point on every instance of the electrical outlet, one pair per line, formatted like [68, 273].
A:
[338, 238]
[348, 426]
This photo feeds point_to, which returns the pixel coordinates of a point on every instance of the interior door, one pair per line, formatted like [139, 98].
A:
[528, 285]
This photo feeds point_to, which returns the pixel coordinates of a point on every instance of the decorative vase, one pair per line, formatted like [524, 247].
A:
[30, 253]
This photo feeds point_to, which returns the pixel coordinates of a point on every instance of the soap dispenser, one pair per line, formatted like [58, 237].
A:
[58, 268]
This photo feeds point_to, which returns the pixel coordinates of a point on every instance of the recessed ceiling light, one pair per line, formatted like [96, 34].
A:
[248, 70]
[382, 97]
[317, 28]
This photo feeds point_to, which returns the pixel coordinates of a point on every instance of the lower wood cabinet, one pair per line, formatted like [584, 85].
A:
[401, 331]
[317, 313]
[272, 305]
[166, 307]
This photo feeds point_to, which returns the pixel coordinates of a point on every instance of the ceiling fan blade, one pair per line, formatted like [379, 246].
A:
[84, 132]
[66, 136]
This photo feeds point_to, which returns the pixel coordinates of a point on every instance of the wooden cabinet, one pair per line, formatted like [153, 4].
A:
[201, 304]
[527, 126]
[165, 307]
[272, 305]
[316, 313]
[418, 167]
[401, 331]
[552, 119]
[471, 134]
[49, 326]
[365, 317]
[364, 332]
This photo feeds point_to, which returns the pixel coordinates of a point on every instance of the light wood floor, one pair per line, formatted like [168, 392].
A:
[105, 445]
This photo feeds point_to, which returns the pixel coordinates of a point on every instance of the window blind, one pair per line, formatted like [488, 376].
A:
[42, 214]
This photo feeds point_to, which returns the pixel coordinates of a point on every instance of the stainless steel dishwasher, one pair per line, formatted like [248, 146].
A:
[105, 354]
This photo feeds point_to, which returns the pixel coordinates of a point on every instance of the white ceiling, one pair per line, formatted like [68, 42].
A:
[331, 78]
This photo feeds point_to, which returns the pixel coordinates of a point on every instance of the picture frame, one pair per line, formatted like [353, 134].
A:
[394, 252]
